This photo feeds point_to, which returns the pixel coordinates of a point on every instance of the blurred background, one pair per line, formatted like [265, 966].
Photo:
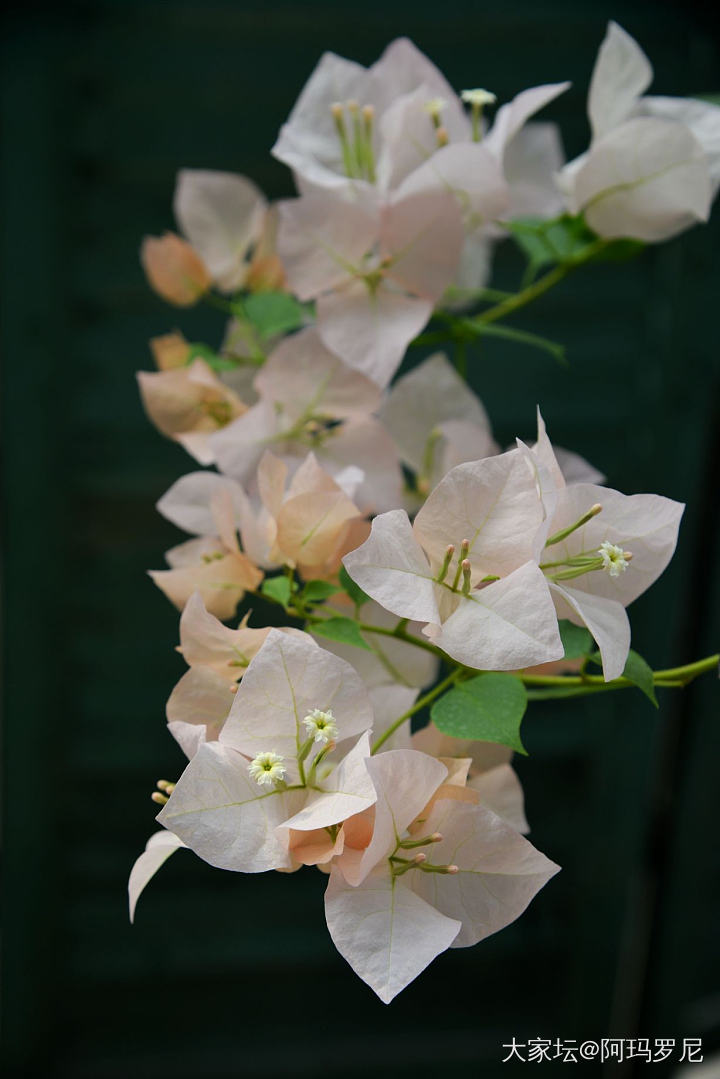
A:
[223, 975]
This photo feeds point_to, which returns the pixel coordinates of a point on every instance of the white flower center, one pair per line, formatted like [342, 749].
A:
[435, 104]
[614, 560]
[267, 768]
[478, 97]
[321, 726]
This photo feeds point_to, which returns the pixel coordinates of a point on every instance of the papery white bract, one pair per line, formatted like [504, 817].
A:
[218, 656]
[390, 912]
[436, 421]
[651, 170]
[306, 521]
[309, 400]
[213, 565]
[188, 403]
[397, 88]
[158, 849]
[375, 266]
[218, 808]
[584, 589]
[489, 512]
[221, 214]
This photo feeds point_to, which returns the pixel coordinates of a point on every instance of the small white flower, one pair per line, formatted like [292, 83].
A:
[478, 97]
[321, 725]
[614, 559]
[267, 768]
[435, 105]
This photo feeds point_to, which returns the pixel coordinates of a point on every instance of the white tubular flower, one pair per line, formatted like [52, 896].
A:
[267, 768]
[434, 107]
[321, 725]
[614, 559]
[478, 97]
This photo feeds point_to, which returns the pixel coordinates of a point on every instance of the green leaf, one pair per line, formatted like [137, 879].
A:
[314, 591]
[200, 351]
[528, 234]
[354, 591]
[277, 588]
[563, 239]
[273, 313]
[577, 641]
[639, 672]
[341, 629]
[488, 708]
[569, 237]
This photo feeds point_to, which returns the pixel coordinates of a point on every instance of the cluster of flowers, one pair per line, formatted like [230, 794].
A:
[299, 741]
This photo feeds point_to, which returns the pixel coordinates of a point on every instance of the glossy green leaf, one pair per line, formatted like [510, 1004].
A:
[341, 629]
[639, 672]
[277, 588]
[577, 641]
[354, 591]
[315, 591]
[200, 351]
[273, 313]
[564, 239]
[488, 708]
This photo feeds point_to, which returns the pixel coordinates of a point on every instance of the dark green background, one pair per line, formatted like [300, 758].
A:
[226, 976]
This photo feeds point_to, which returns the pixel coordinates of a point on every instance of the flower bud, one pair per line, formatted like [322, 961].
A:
[169, 350]
[174, 269]
[265, 274]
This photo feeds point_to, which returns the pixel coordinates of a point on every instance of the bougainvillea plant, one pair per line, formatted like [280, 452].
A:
[415, 566]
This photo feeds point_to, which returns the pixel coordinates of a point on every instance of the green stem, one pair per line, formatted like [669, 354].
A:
[427, 699]
[689, 671]
[401, 635]
[674, 677]
[526, 295]
[670, 678]
[542, 285]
